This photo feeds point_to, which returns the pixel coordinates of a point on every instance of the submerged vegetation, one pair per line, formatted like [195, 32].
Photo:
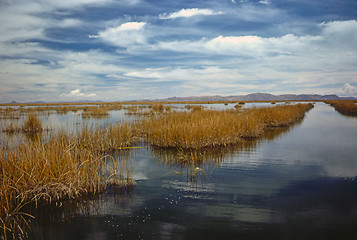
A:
[345, 107]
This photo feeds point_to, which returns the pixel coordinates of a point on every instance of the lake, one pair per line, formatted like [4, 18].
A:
[296, 183]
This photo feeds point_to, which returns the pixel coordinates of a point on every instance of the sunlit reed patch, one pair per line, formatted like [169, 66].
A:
[208, 128]
[345, 107]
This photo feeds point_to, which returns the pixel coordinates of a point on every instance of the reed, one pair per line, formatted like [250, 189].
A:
[12, 114]
[11, 128]
[32, 124]
[238, 106]
[157, 108]
[345, 107]
[208, 128]
[59, 167]
[107, 139]
[132, 109]
[95, 112]
[194, 107]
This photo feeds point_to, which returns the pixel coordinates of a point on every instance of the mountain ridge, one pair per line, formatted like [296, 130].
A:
[259, 97]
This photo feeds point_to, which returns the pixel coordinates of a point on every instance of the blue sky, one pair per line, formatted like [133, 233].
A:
[111, 50]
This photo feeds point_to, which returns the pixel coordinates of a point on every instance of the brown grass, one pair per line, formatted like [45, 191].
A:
[32, 124]
[157, 108]
[60, 167]
[345, 107]
[95, 112]
[207, 128]
[194, 107]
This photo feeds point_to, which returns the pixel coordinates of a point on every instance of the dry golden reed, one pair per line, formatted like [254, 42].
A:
[95, 112]
[208, 128]
[32, 124]
[59, 167]
[345, 107]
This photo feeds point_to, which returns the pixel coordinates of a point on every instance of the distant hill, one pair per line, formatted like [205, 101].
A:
[260, 97]
[249, 97]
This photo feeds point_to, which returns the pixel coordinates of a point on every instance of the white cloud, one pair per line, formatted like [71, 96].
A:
[264, 2]
[313, 48]
[341, 33]
[130, 26]
[305, 63]
[222, 64]
[244, 46]
[348, 90]
[77, 93]
[189, 12]
[125, 35]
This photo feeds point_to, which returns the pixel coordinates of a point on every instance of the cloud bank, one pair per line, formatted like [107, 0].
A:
[53, 51]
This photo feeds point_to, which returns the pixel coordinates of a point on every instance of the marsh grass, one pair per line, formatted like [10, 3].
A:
[157, 108]
[208, 128]
[238, 106]
[32, 124]
[4, 114]
[345, 107]
[60, 167]
[11, 128]
[194, 107]
[98, 112]
[64, 166]
[107, 139]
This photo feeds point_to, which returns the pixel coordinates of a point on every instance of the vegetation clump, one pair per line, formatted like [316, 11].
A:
[60, 167]
[345, 107]
[209, 128]
[32, 124]
[194, 107]
[95, 112]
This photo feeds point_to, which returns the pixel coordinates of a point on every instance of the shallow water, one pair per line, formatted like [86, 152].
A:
[299, 183]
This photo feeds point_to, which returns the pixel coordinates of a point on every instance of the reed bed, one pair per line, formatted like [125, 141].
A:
[32, 124]
[95, 112]
[59, 167]
[194, 107]
[107, 139]
[345, 107]
[208, 128]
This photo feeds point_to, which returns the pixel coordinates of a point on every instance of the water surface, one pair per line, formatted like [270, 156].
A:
[298, 183]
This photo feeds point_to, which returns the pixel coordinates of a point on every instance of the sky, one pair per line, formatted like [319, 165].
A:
[118, 50]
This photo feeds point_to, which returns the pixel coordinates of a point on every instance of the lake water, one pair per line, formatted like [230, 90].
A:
[298, 183]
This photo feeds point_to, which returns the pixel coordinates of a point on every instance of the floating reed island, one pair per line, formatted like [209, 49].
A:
[209, 128]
